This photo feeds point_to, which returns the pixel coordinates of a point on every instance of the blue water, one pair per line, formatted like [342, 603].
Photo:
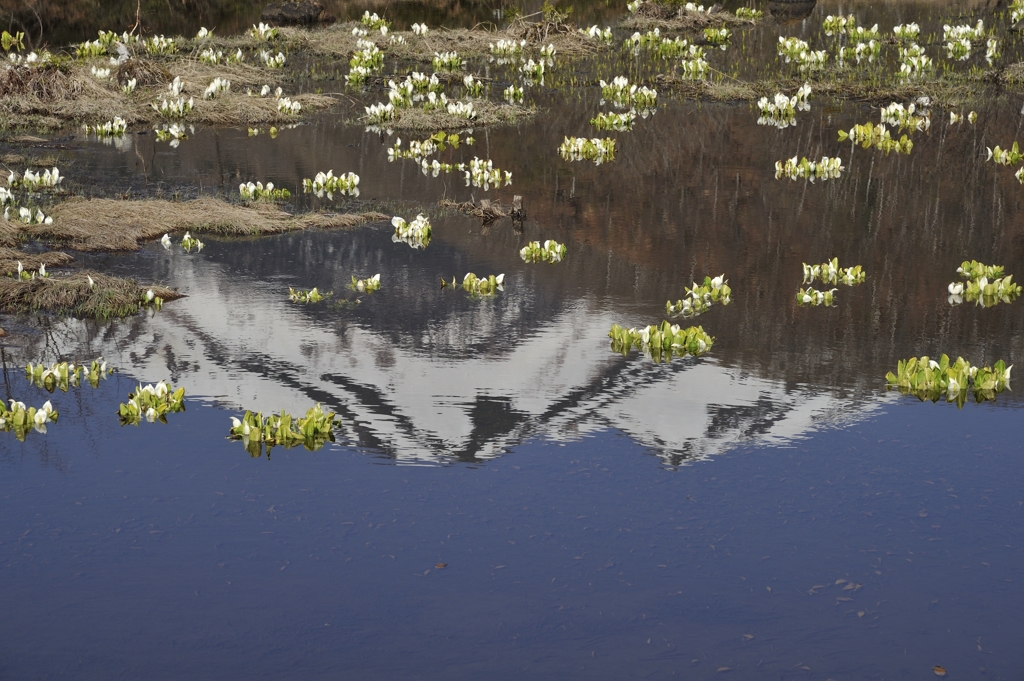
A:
[166, 552]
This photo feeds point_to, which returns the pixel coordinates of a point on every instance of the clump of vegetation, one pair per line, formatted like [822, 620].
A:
[661, 343]
[151, 402]
[985, 285]
[825, 169]
[311, 296]
[82, 294]
[877, 136]
[327, 184]
[928, 379]
[312, 431]
[478, 286]
[814, 297]
[257, 191]
[64, 375]
[582, 149]
[700, 297]
[551, 252]
[620, 122]
[22, 419]
[831, 273]
[416, 233]
[368, 285]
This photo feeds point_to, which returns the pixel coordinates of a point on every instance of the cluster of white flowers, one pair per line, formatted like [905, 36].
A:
[913, 61]
[634, 6]
[112, 128]
[825, 169]
[622, 94]
[595, 149]
[88, 49]
[272, 61]
[907, 31]
[595, 32]
[252, 191]
[507, 50]
[513, 94]
[462, 110]
[420, 29]
[101, 73]
[289, 106]
[551, 252]
[159, 45]
[327, 184]
[548, 54]
[838, 25]
[263, 32]
[416, 233]
[534, 71]
[30, 59]
[129, 87]
[216, 86]
[483, 174]
[33, 181]
[29, 216]
[799, 52]
[380, 113]
[178, 108]
[909, 117]
[620, 122]
[781, 110]
[959, 49]
[447, 61]
[860, 33]
[862, 51]
[474, 86]
[367, 59]
[176, 86]
[964, 31]
[373, 22]
[214, 57]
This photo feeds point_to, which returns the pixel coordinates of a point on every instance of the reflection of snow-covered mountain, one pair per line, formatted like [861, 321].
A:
[240, 343]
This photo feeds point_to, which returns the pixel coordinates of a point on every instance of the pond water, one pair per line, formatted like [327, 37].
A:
[767, 510]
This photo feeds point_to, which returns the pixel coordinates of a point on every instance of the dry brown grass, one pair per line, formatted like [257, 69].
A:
[120, 225]
[669, 18]
[706, 90]
[72, 295]
[488, 113]
[9, 259]
[9, 233]
[45, 97]
[476, 43]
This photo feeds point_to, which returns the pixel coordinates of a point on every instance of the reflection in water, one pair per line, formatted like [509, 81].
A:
[466, 381]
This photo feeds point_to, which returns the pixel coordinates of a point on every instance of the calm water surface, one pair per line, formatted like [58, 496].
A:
[767, 510]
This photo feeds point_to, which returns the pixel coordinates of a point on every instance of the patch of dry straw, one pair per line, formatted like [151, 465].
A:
[72, 295]
[119, 225]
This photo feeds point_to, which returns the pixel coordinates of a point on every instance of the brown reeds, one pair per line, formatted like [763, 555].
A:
[73, 295]
[121, 225]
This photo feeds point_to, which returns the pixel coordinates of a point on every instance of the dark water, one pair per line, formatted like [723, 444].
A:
[600, 516]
